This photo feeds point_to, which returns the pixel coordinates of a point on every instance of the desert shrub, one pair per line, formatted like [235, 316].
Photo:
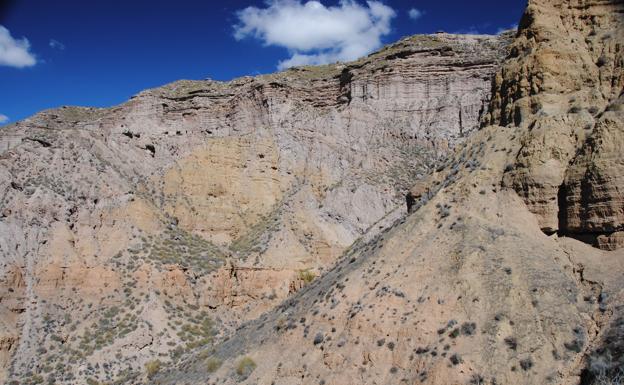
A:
[602, 60]
[606, 363]
[511, 342]
[245, 367]
[468, 328]
[616, 378]
[477, 379]
[306, 275]
[526, 364]
[318, 338]
[455, 359]
[152, 368]
[212, 364]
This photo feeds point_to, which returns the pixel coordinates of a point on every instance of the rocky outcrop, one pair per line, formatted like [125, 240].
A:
[593, 202]
[561, 88]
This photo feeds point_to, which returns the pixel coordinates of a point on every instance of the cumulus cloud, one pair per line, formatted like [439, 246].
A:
[314, 33]
[3, 118]
[415, 14]
[15, 52]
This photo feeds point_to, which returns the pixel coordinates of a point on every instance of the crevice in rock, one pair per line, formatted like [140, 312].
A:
[461, 125]
[410, 200]
[151, 149]
[42, 142]
[345, 85]
[562, 206]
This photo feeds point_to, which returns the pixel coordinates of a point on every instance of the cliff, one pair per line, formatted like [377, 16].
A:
[139, 232]
[507, 270]
[257, 231]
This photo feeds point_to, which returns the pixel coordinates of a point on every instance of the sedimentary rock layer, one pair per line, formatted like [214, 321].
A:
[562, 87]
[139, 232]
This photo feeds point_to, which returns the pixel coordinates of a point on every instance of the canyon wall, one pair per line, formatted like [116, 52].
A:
[139, 232]
[507, 269]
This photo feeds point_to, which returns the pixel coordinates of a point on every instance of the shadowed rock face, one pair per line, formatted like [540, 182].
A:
[143, 231]
[563, 87]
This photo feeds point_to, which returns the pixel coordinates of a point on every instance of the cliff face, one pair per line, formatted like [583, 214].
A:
[140, 232]
[255, 231]
[563, 88]
[484, 282]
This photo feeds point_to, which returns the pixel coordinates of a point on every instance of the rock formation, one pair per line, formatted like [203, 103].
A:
[563, 86]
[256, 231]
[486, 281]
[137, 233]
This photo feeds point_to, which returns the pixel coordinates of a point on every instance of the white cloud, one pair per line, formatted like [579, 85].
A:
[314, 33]
[3, 118]
[415, 14]
[15, 52]
[57, 44]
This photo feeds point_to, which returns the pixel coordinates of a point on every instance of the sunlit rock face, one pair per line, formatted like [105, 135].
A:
[490, 278]
[562, 87]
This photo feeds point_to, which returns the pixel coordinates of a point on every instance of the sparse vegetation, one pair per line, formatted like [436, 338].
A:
[177, 246]
[257, 237]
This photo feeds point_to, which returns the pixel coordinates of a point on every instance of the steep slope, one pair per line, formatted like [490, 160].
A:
[480, 284]
[134, 234]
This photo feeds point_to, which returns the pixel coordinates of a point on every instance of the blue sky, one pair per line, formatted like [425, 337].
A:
[101, 52]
